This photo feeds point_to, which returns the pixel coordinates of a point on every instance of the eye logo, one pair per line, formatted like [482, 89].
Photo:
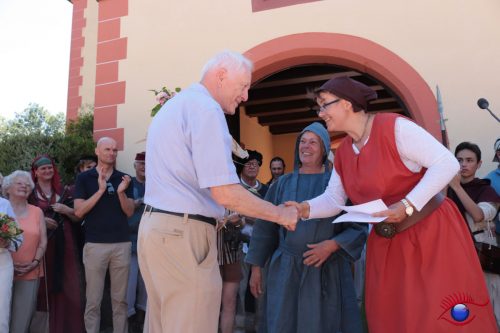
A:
[460, 312]
[458, 308]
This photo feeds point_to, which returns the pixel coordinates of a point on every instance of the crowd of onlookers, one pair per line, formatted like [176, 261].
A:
[76, 234]
[73, 236]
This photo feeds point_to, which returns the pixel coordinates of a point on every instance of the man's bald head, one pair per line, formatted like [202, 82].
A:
[105, 139]
[106, 151]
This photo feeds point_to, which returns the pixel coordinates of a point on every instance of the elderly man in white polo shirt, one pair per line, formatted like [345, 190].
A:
[190, 179]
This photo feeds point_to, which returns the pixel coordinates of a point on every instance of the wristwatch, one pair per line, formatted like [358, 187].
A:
[408, 207]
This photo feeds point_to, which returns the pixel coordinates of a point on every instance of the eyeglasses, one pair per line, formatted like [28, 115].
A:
[111, 189]
[252, 164]
[322, 108]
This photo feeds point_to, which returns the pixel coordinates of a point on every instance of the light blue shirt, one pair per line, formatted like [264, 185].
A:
[494, 176]
[188, 151]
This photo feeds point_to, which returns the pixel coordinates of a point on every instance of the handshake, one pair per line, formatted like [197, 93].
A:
[291, 212]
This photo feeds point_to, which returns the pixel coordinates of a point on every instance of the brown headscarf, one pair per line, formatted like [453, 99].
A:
[353, 91]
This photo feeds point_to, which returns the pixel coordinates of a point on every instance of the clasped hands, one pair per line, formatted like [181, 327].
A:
[103, 184]
[291, 212]
[21, 269]
[394, 214]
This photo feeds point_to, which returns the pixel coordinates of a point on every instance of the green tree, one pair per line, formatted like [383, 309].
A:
[35, 131]
[77, 141]
[35, 120]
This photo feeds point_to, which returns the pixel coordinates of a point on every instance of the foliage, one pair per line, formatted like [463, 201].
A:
[35, 120]
[35, 131]
[162, 95]
[77, 141]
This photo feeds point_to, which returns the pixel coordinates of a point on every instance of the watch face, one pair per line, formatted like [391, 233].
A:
[409, 211]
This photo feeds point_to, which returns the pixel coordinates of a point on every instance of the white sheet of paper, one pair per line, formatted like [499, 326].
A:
[362, 213]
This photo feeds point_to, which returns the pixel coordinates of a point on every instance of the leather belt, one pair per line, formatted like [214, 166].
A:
[389, 230]
[209, 220]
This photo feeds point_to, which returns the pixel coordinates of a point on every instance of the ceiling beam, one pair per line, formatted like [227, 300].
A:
[304, 79]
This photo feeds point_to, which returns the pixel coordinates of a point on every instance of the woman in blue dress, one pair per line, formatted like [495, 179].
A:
[309, 284]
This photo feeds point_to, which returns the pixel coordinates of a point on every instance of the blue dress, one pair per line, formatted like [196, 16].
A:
[302, 298]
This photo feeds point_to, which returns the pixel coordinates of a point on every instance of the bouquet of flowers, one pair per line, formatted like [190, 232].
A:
[162, 96]
[9, 229]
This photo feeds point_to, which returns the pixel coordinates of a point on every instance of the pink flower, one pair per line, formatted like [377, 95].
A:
[162, 97]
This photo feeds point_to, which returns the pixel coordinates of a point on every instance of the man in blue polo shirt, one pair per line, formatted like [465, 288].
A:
[103, 199]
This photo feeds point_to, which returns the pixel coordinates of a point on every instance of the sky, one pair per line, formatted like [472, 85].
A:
[35, 37]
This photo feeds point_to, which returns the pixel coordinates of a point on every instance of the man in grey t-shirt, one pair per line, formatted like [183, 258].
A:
[190, 179]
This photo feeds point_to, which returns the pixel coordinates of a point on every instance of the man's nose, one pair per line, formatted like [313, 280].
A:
[245, 95]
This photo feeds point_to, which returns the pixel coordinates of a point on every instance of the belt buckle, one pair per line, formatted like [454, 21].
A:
[386, 230]
[148, 209]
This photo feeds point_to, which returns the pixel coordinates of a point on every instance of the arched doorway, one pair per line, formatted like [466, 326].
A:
[353, 52]
[404, 89]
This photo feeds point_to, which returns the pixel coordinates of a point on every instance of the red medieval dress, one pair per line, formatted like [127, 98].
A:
[426, 278]
[64, 273]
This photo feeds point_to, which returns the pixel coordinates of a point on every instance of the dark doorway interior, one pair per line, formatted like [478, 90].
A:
[283, 101]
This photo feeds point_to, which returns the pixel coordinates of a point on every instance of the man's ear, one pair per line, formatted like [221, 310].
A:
[221, 75]
[479, 164]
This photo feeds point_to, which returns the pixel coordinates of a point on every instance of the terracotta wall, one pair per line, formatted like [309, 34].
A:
[75, 78]
[109, 85]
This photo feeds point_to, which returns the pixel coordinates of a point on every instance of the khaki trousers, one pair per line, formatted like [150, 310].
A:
[178, 261]
[97, 257]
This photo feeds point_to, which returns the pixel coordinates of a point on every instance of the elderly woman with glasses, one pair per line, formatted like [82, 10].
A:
[422, 272]
[309, 279]
[27, 260]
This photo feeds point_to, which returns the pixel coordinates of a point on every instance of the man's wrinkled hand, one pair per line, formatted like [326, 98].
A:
[289, 215]
[302, 207]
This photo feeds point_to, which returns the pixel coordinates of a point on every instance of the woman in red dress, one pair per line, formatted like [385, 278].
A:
[422, 272]
[64, 272]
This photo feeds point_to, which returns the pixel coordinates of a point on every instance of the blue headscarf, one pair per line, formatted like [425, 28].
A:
[320, 131]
